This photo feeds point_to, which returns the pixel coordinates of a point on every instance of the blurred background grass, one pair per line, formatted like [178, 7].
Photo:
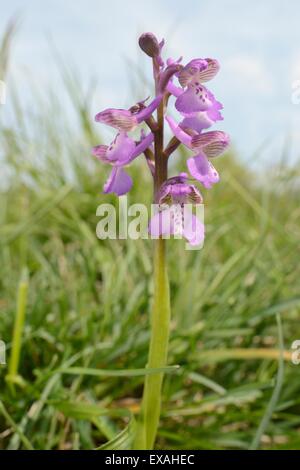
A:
[88, 300]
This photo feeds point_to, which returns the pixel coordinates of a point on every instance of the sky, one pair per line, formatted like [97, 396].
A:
[257, 43]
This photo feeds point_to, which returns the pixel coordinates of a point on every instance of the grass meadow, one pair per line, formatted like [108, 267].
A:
[82, 304]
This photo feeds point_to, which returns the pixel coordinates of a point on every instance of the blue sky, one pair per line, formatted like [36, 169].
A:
[257, 44]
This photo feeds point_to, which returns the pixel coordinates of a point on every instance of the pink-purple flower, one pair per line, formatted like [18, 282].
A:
[205, 146]
[121, 151]
[174, 216]
[194, 101]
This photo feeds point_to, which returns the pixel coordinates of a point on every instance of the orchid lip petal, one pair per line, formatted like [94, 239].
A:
[118, 182]
[203, 119]
[179, 221]
[195, 98]
[193, 229]
[161, 224]
[202, 170]
[197, 122]
[174, 216]
[185, 138]
[120, 150]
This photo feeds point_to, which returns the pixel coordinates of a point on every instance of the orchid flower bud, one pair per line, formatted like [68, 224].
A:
[149, 44]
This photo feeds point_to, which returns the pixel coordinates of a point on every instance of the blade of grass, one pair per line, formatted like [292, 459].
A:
[11, 422]
[13, 366]
[276, 392]
[116, 373]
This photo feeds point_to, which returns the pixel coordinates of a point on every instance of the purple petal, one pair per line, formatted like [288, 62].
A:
[202, 170]
[119, 182]
[210, 72]
[189, 72]
[197, 122]
[161, 224]
[177, 221]
[100, 152]
[216, 148]
[177, 190]
[159, 57]
[203, 119]
[178, 132]
[201, 140]
[214, 111]
[212, 143]
[120, 119]
[174, 90]
[167, 75]
[146, 112]
[120, 150]
[171, 61]
[193, 229]
[194, 99]
[142, 146]
[198, 70]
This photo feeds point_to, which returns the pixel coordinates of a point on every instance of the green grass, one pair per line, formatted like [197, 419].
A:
[88, 301]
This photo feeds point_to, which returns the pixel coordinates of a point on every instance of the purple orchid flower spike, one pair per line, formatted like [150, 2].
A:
[175, 197]
[122, 151]
[174, 218]
[207, 145]
[128, 119]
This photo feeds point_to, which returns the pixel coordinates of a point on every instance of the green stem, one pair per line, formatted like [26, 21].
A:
[158, 350]
[160, 325]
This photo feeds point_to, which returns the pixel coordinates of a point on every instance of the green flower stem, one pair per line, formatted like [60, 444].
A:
[160, 326]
